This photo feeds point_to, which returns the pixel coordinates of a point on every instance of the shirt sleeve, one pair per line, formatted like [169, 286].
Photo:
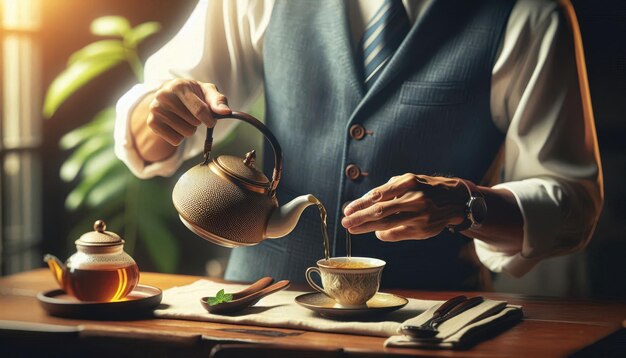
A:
[222, 43]
[551, 158]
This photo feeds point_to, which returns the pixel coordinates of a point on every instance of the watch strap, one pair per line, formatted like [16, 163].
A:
[466, 224]
[473, 192]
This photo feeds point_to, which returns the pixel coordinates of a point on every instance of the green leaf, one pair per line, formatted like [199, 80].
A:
[257, 109]
[157, 196]
[79, 135]
[102, 123]
[99, 49]
[73, 78]
[220, 297]
[110, 26]
[103, 160]
[77, 196]
[159, 241]
[71, 167]
[110, 187]
[141, 32]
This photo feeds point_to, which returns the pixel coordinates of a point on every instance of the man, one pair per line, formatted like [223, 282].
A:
[400, 109]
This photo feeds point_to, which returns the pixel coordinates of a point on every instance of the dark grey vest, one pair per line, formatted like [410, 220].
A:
[428, 113]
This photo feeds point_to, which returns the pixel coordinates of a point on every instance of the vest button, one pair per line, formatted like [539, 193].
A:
[357, 131]
[353, 172]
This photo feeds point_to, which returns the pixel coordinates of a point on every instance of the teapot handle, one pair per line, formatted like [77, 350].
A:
[278, 153]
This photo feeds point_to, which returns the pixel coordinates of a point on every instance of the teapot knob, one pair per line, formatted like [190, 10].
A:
[250, 158]
[99, 226]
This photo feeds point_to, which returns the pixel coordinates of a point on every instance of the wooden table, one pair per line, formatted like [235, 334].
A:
[552, 327]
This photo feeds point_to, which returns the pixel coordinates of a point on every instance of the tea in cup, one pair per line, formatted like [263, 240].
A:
[350, 281]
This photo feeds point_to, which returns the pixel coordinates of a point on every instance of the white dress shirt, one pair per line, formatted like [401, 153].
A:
[550, 162]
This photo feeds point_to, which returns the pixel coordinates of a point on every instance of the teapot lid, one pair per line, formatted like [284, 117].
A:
[243, 169]
[99, 237]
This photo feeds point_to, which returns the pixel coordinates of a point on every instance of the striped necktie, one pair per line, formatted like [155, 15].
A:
[382, 36]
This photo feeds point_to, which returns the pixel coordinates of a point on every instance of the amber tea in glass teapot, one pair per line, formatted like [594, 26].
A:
[100, 270]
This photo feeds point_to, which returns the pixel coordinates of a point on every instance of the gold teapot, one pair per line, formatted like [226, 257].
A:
[100, 270]
[229, 202]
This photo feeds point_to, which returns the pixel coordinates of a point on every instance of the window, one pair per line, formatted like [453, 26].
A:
[20, 136]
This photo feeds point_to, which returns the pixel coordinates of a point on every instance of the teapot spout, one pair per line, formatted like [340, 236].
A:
[57, 267]
[284, 219]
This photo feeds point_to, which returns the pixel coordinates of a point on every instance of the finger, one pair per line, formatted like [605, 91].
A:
[216, 100]
[174, 121]
[367, 200]
[171, 102]
[164, 131]
[396, 186]
[380, 210]
[419, 226]
[387, 223]
[194, 102]
[399, 233]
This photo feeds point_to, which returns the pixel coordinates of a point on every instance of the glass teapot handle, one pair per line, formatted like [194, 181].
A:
[278, 153]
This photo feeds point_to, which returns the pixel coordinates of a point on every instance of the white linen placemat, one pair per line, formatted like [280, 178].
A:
[278, 310]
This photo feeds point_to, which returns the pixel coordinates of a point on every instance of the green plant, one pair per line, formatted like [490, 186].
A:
[105, 188]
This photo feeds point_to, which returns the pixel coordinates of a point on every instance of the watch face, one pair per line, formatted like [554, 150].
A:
[478, 210]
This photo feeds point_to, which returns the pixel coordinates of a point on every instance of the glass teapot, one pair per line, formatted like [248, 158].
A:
[229, 202]
[100, 270]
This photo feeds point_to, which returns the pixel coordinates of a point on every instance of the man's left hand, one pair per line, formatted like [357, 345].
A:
[408, 207]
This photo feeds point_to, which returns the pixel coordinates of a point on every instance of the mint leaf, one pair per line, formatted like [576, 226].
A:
[220, 297]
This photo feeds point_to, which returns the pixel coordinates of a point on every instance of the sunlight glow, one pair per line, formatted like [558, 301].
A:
[20, 122]
[21, 74]
[21, 14]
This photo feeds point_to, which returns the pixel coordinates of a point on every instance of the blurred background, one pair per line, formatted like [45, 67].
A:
[58, 174]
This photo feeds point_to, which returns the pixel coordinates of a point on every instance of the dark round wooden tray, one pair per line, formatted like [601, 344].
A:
[138, 304]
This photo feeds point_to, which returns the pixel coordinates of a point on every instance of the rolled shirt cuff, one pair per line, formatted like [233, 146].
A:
[516, 265]
[539, 201]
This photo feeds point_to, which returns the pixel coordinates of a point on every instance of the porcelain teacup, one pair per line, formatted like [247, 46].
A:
[351, 282]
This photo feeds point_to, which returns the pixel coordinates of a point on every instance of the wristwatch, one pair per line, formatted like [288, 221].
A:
[475, 209]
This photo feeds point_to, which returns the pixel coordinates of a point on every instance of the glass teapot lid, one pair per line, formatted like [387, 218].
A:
[99, 237]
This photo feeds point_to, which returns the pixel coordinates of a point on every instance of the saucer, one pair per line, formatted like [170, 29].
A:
[381, 303]
[139, 303]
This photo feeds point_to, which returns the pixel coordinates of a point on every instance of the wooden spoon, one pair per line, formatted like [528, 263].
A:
[257, 286]
[250, 297]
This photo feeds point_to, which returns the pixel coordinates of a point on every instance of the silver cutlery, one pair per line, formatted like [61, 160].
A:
[449, 309]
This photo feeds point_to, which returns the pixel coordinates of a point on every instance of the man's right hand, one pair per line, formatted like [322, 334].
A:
[180, 106]
[162, 120]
